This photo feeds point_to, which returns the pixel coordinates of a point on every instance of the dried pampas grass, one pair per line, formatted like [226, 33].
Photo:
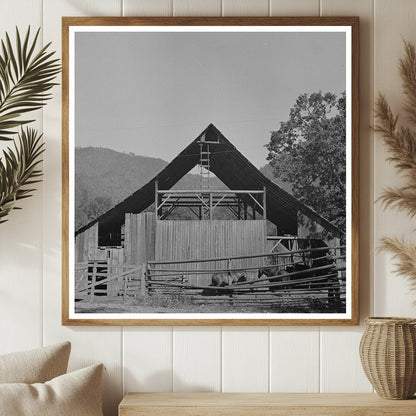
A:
[401, 143]
[405, 254]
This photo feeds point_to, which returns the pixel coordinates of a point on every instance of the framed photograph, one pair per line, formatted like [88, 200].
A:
[210, 171]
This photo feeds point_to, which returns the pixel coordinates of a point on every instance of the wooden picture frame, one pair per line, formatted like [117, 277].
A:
[143, 282]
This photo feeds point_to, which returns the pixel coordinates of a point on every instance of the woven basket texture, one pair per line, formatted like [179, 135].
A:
[388, 356]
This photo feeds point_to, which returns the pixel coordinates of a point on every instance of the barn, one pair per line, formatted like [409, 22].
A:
[144, 229]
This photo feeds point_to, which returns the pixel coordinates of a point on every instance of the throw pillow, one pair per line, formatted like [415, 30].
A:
[73, 394]
[35, 366]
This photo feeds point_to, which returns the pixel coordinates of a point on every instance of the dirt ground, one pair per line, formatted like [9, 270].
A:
[185, 305]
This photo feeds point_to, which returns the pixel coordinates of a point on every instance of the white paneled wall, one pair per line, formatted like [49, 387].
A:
[21, 282]
[245, 359]
[295, 352]
[278, 359]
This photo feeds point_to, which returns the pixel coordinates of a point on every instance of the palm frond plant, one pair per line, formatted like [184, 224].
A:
[401, 142]
[26, 78]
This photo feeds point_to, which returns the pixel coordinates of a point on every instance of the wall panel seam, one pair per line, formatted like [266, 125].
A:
[319, 359]
[374, 153]
[270, 359]
[122, 360]
[42, 280]
[374, 156]
[221, 360]
[172, 358]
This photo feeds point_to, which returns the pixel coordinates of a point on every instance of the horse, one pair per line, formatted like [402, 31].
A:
[268, 271]
[302, 272]
[222, 279]
[274, 271]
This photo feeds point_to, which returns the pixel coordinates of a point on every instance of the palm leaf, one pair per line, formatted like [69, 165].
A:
[25, 79]
[19, 170]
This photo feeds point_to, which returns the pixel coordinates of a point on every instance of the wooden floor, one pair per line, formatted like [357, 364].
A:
[254, 404]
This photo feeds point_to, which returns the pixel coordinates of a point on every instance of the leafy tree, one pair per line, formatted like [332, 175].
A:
[88, 209]
[308, 151]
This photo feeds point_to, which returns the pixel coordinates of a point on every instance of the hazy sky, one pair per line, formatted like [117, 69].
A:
[153, 93]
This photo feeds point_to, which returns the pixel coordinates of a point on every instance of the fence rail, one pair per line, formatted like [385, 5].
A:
[253, 256]
[324, 282]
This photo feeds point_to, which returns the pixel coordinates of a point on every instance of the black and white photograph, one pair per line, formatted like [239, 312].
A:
[210, 172]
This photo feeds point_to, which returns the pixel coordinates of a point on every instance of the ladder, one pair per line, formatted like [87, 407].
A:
[204, 165]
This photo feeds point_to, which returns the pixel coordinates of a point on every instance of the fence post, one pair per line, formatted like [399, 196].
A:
[339, 264]
[93, 280]
[125, 280]
[143, 280]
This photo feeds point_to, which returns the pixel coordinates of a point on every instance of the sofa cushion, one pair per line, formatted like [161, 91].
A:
[73, 394]
[35, 366]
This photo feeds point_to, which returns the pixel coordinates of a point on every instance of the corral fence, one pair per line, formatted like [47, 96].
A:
[324, 279]
[96, 279]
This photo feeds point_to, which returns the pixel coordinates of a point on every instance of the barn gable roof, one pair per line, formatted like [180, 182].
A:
[233, 169]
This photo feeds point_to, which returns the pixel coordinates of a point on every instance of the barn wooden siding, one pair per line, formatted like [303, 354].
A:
[139, 238]
[86, 243]
[192, 240]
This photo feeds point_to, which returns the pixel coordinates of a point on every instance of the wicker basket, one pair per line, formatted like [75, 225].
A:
[388, 356]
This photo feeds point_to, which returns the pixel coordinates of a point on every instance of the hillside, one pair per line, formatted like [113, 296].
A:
[105, 177]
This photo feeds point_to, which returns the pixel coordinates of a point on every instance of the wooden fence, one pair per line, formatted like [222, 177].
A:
[173, 278]
[92, 282]
[327, 282]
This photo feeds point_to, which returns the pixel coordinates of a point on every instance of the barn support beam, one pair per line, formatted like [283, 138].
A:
[156, 200]
[204, 203]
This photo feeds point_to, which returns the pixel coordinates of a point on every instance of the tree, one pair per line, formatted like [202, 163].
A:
[308, 152]
[88, 209]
